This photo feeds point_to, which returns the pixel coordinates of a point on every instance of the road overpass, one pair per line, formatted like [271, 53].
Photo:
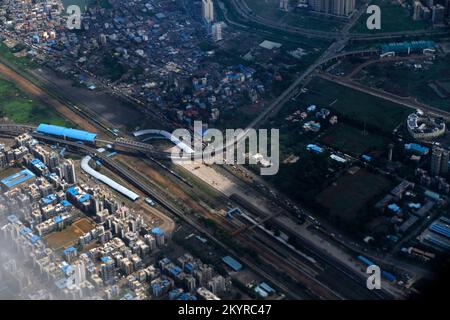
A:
[141, 183]
[144, 185]
[133, 145]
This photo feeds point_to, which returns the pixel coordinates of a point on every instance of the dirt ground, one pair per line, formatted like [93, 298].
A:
[110, 109]
[165, 183]
[37, 93]
[69, 236]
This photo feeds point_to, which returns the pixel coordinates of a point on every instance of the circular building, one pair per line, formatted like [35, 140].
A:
[424, 127]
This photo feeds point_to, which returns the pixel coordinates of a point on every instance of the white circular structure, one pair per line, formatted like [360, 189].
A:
[423, 127]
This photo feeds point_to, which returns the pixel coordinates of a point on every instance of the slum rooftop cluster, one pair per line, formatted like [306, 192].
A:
[147, 49]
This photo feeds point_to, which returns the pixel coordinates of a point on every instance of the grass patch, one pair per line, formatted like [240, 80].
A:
[19, 108]
[404, 80]
[350, 194]
[352, 140]
[8, 55]
[356, 107]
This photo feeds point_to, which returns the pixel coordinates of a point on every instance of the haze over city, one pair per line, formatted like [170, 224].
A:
[211, 150]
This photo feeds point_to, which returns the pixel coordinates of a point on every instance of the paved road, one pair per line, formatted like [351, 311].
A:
[408, 102]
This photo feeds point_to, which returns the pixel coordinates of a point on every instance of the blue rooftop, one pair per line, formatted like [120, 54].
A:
[69, 250]
[128, 296]
[17, 178]
[266, 287]
[49, 199]
[37, 163]
[394, 207]
[440, 229]
[175, 271]
[314, 148]
[232, 263]
[365, 260]
[13, 218]
[34, 238]
[157, 231]
[25, 230]
[105, 259]
[65, 203]
[407, 46]
[66, 132]
[84, 198]
[73, 191]
[189, 266]
[417, 148]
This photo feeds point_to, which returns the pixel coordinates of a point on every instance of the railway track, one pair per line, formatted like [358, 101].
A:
[144, 185]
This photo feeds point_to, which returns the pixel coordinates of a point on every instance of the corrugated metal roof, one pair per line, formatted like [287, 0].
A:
[236, 266]
[106, 180]
[66, 132]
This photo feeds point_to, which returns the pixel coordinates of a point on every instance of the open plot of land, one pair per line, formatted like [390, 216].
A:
[355, 106]
[69, 236]
[352, 140]
[18, 107]
[303, 19]
[8, 172]
[404, 79]
[394, 17]
[45, 98]
[351, 193]
[9, 55]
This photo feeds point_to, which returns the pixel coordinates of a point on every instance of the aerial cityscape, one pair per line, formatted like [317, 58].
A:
[191, 150]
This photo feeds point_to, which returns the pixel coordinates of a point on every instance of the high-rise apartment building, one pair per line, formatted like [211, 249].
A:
[208, 10]
[284, 5]
[437, 14]
[439, 161]
[333, 7]
[217, 31]
[68, 170]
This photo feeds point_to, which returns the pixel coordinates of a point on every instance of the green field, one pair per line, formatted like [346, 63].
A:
[394, 18]
[349, 195]
[270, 9]
[19, 108]
[8, 55]
[352, 140]
[304, 179]
[404, 80]
[357, 107]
